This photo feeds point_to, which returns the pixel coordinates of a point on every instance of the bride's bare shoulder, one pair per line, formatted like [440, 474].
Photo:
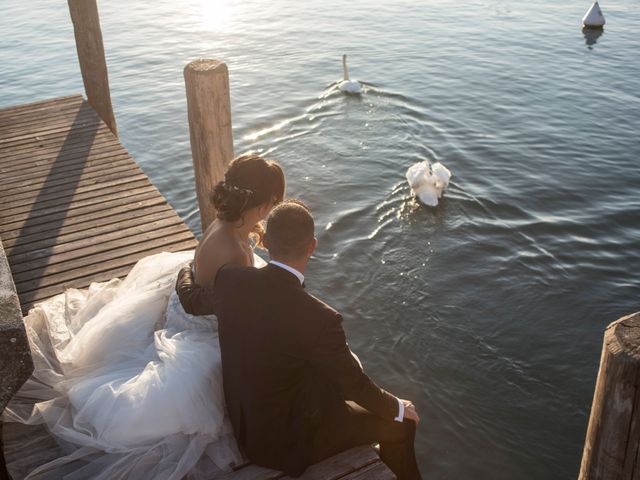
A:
[217, 247]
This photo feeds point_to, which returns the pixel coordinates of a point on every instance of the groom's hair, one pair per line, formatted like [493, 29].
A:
[290, 230]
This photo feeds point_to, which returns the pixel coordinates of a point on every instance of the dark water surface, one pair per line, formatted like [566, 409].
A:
[487, 311]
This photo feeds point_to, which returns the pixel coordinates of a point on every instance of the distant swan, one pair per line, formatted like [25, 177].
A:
[347, 85]
[428, 181]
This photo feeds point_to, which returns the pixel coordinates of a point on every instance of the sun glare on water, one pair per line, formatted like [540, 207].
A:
[216, 14]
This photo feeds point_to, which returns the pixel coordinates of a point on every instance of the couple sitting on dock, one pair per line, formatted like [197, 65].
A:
[138, 379]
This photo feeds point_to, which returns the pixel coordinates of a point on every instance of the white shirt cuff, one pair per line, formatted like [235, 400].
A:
[400, 416]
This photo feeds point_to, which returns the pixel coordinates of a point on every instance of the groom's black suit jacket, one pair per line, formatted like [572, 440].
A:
[287, 369]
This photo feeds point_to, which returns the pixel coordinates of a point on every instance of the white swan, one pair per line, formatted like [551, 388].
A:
[428, 181]
[347, 85]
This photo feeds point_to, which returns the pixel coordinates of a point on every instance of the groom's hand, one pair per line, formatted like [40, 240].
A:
[410, 412]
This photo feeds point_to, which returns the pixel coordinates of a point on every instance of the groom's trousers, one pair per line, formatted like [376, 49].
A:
[361, 427]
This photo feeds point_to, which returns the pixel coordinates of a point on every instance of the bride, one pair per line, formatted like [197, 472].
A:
[126, 382]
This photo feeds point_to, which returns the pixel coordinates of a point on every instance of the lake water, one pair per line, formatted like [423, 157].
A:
[487, 311]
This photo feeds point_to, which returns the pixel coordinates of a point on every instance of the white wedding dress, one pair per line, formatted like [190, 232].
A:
[128, 384]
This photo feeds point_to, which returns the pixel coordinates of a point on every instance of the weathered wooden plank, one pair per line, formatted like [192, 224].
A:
[69, 193]
[88, 227]
[340, 464]
[100, 272]
[172, 244]
[52, 132]
[73, 117]
[80, 264]
[55, 182]
[64, 113]
[76, 118]
[59, 221]
[375, 471]
[53, 129]
[93, 204]
[250, 472]
[72, 155]
[51, 112]
[63, 243]
[59, 181]
[58, 190]
[29, 299]
[79, 126]
[42, 447]
[351, 462]
[39, 167]
[40, 106]
[71, 202]
[59, 253]
[40, 172]
[56, 217]
[70, 140]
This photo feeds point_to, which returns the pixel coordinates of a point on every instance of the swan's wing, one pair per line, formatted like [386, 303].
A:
[442, 173]
[416, 174]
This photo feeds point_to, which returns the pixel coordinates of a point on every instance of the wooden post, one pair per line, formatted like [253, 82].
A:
[613, 437]
[86, 26]
[209, 109]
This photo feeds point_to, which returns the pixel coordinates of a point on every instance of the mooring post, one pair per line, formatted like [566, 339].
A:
[86, 26]
[613, 437]
[209, 110]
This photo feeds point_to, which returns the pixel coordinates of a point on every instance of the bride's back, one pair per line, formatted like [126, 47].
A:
[218, 246]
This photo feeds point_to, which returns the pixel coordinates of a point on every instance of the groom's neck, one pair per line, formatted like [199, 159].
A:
[299, 264]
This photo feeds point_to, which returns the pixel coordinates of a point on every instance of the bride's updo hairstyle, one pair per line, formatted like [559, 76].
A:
[250, 181]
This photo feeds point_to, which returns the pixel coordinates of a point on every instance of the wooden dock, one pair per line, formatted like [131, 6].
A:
[76, 208]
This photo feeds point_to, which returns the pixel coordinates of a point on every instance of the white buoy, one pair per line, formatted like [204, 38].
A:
[594, 17]
[347, 85]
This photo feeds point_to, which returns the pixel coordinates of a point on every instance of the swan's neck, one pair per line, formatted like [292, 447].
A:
[344, 67]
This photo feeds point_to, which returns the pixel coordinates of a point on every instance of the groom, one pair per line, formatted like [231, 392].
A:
[294, 392]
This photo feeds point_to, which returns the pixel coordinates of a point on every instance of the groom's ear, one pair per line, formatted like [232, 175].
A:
[312, 246]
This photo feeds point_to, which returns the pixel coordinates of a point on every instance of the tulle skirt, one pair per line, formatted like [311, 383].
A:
[126, 385]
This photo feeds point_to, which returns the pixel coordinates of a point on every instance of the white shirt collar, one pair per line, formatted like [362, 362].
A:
[298, 275]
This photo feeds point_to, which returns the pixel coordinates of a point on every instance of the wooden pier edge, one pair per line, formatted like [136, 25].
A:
[612, 444]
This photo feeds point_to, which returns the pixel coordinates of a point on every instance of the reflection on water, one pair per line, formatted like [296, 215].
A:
[591, 36]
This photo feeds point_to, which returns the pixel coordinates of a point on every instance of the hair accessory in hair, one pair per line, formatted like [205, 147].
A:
[247, 192]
